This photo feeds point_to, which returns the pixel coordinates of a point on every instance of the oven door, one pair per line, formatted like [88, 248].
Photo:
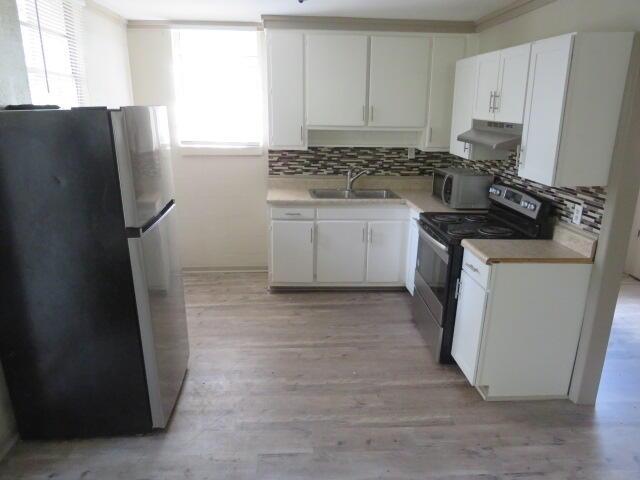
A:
[432, 266]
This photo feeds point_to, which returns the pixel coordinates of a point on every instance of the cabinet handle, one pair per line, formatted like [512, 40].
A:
[491, 102]
[302, 133]
[311, 230]
[371, 113]
[430, 134]
[364, 113]
[370, 236]
[292, 214]
[466, 147]
[364, 235]
[496, 106]
[472, 268]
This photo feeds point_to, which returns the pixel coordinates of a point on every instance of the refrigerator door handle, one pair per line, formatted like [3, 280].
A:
[138, 232]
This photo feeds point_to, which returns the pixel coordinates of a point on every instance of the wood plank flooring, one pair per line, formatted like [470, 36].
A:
[332, 385]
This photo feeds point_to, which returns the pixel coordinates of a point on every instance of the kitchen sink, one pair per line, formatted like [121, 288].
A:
[330, 193]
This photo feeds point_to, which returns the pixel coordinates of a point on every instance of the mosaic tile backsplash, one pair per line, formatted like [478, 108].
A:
[394, 161]
[337, 160]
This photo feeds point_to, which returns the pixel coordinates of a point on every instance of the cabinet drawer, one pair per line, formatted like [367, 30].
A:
[292, 213]
[476, 269]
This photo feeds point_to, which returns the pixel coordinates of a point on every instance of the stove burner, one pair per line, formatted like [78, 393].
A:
[495, 231]
[447, 218]
[460, 231]
[476, 218]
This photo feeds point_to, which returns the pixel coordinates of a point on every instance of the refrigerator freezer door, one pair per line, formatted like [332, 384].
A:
[161, 311]
[143, 147]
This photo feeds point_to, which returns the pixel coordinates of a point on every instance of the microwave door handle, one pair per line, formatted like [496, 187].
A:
[444, 188]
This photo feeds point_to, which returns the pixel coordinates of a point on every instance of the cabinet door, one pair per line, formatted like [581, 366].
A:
[548, 76]
[463, 100]
[412, 255]
[446, 51]
[386, 256]
[467, 336]
[286, 93]
[398, 81]
[486, 85]
[336, 79]
[292, 252]
[341, 251]
[512, 84]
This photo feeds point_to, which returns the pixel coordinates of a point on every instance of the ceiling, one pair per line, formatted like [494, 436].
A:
[251, 10]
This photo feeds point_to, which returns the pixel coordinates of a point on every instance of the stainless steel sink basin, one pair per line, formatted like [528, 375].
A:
[330, 193]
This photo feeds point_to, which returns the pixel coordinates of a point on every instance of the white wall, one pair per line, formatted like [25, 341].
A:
[14, 88]
[221, 200]
[563, 16]
[106, 57]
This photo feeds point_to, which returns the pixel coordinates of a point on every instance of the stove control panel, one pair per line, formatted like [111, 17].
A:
[517, 200]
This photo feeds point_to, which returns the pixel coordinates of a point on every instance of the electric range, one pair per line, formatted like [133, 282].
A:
[513, 214]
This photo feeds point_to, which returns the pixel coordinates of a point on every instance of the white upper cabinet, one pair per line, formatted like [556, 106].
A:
[574, 96]
[286, 89]
[445, 52]
[501, 84]
[512, 84]
[398, 81]
[336, 80]
[488, 70]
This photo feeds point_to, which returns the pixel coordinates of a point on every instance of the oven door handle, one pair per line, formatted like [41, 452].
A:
[432, 241]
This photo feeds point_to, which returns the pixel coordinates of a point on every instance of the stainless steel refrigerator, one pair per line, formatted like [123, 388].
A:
[93, 334]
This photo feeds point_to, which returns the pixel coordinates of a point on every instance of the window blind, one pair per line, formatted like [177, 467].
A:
[52, 39]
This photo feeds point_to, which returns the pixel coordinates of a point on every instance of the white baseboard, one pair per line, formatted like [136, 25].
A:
[8, 445]
[260, 269]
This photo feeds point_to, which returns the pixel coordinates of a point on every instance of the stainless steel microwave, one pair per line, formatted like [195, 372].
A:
[462, 188]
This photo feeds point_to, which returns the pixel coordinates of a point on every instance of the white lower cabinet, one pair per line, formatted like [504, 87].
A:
[338, 246]
[292, 251]
[518, 326]
[386, 256]
[468, 332]
[342, 251]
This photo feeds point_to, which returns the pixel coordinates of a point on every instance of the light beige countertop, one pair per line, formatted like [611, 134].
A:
[523, 251]
[415, 192]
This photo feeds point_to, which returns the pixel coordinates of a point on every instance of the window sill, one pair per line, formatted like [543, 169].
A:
[208, 151]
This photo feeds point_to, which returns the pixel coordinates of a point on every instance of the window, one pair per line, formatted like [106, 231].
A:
[218, 88]
[51, 34]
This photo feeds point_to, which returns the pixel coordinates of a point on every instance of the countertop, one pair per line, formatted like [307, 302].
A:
[420, 200]
[523, 251]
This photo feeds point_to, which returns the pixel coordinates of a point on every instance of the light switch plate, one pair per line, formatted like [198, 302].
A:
[411, 153]
[577, 214]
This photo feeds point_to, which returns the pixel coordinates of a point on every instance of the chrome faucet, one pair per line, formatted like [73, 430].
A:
[352, 178]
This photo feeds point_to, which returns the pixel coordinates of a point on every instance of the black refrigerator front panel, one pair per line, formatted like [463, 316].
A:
[69, 336]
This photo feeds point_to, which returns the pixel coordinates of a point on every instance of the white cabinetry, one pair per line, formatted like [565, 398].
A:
[336, 79]
[341, 251]
[518, 325]
[412, 251]
[576, 83]
[398, 78]
[386, 255]
[292, 251]
[445, 52]
[501, 84]
[462, 112]
[286, 89]
[338, 246]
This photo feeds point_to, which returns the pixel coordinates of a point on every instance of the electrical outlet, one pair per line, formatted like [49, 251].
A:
[411, 153]
[577, 214]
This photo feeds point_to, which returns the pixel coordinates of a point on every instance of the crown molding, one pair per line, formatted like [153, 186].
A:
[90, 4]
[164, 24]
[516, 9]
[301, 22]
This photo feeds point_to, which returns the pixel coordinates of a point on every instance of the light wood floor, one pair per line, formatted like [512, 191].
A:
[339, 386]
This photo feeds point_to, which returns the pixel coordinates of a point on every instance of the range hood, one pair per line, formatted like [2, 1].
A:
[495, 135]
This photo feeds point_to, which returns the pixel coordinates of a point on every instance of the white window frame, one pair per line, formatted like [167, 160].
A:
[187, 149]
